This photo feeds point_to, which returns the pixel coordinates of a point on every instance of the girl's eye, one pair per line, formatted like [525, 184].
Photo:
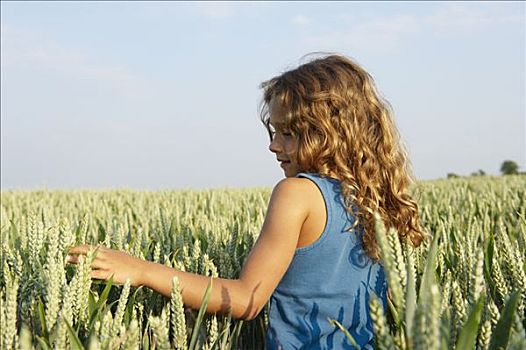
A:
[273, 131]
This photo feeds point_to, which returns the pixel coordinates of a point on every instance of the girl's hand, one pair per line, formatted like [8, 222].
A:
[108, 262]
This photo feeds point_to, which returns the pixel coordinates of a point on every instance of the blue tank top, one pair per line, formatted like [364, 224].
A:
[331, 278]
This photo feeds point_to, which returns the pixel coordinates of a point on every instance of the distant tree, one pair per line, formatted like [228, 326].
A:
[480, 172]
[509, 167]
[452, 176]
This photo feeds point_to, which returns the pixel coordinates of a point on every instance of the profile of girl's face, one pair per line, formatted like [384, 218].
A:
[283, 144]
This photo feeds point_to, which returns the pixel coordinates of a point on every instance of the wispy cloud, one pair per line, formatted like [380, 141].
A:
[22, 48]
[215, 9]
[379, 34]
[462, 18]
[389, 33]
[300, 20]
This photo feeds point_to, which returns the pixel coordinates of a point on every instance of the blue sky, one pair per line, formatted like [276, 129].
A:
[154, 95]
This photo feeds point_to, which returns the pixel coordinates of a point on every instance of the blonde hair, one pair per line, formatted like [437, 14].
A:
[344, 127]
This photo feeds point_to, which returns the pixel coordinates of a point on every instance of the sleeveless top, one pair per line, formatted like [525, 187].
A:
[331, 278]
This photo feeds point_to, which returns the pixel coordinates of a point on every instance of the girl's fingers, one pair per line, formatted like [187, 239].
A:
[100, 274]
[84, 249]
[72, 259]
[75, 254]
[98, 264]
[95, 264]
[81, 249]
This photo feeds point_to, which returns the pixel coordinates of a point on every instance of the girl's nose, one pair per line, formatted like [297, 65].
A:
[274, 146]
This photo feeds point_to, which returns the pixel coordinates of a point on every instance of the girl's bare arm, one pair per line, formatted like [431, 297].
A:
[264, 267]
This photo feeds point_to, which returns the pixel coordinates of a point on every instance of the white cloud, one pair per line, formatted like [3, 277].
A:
[215, 9]
[34, 50]
[461, 18]
[379, 34]
[387, 34]
[300, 20]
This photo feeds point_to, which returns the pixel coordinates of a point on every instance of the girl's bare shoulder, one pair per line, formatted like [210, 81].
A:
[299, 187]
[300, 192]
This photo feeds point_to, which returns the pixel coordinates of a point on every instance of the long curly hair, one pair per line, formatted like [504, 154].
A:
[344, 127]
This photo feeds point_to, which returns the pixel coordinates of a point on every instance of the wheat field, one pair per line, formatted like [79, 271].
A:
[464, 288]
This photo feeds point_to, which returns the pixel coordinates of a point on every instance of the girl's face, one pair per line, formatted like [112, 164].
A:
[283, 144]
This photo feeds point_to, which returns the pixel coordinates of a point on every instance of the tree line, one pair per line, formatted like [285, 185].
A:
[508, 167]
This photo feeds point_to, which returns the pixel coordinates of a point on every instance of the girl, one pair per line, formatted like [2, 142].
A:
[316, 256]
